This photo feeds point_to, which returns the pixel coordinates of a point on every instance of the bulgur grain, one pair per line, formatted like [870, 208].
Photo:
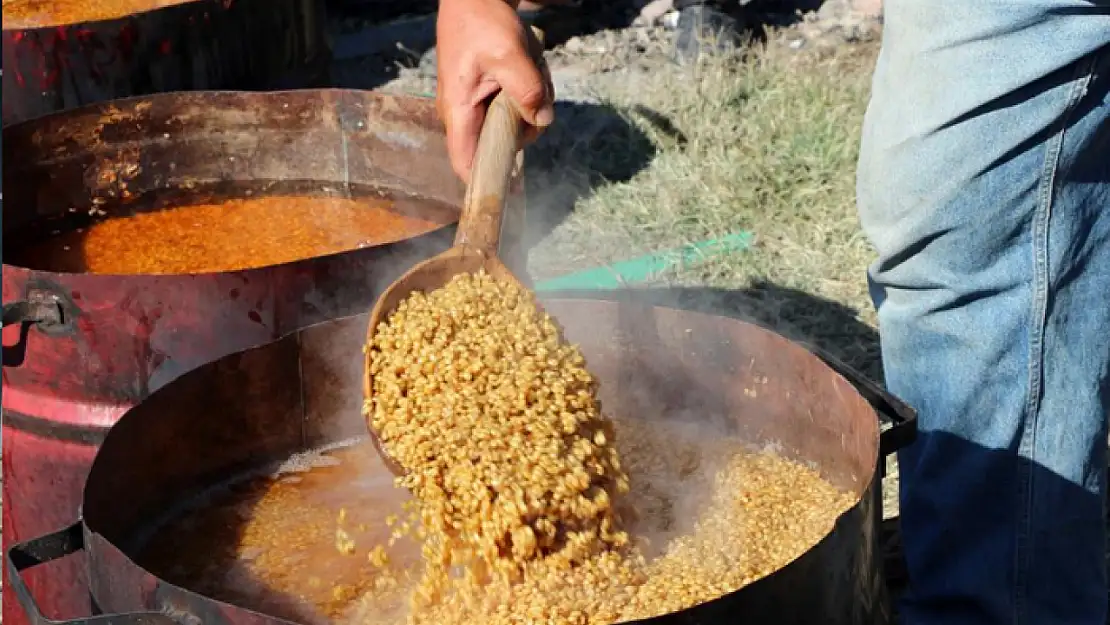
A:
[530, 507]
[712, 515]
[496, 421]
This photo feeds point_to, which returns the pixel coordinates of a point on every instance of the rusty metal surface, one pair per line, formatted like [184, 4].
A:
[121, 337]
[202, 44]
[301, 392]
[176, 140]
[125, 335]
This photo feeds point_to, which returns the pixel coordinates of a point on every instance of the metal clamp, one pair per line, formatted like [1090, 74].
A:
[51, 547]
[42, 309]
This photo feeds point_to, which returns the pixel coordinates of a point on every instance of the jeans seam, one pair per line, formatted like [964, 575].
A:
[1039, 319]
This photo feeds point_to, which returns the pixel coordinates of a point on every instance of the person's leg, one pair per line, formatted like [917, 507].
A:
[984, 184]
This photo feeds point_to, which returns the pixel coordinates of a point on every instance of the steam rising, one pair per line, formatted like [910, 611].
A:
[678, 448]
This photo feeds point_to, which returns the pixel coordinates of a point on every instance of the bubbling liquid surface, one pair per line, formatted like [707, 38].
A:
[228, 235]
[325, 542]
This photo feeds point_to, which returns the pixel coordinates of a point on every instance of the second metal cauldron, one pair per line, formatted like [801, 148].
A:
[259, 407]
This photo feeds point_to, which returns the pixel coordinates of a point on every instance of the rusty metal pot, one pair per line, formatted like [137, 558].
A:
[302, 392]
[79, 349]
[56, 64]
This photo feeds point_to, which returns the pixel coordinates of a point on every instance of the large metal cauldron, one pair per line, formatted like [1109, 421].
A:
[55, 65]
[79, 349]
[258, 407]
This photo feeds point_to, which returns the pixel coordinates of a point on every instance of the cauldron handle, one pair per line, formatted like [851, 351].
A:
[43, 307]
[46, 549]
[902, 418]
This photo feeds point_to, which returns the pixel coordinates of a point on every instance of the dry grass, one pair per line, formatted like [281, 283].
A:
[766, 144]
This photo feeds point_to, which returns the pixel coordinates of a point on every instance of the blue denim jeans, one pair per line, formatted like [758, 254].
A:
[984, 184]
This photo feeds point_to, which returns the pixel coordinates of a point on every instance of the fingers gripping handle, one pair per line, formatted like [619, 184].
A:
[494, 161]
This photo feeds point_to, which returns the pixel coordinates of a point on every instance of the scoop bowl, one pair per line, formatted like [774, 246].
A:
[476, 240]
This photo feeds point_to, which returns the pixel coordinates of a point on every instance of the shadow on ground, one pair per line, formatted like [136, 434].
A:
[592, 145]
[759, 16]
[796, 314]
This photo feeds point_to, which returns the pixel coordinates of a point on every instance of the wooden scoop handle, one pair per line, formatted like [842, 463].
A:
[480, 222]
[494, 160]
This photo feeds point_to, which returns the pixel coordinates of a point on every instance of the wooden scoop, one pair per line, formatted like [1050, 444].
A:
[477, 237]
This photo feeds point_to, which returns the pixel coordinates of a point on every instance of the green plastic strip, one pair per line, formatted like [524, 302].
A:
[642, 269]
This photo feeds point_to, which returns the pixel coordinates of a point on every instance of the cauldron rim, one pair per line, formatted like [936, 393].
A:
[106, 105]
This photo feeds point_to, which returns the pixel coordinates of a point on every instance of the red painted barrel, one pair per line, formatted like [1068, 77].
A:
[66, 53]
[97, 344]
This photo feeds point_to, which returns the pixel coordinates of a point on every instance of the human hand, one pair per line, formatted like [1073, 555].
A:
[482, 47]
